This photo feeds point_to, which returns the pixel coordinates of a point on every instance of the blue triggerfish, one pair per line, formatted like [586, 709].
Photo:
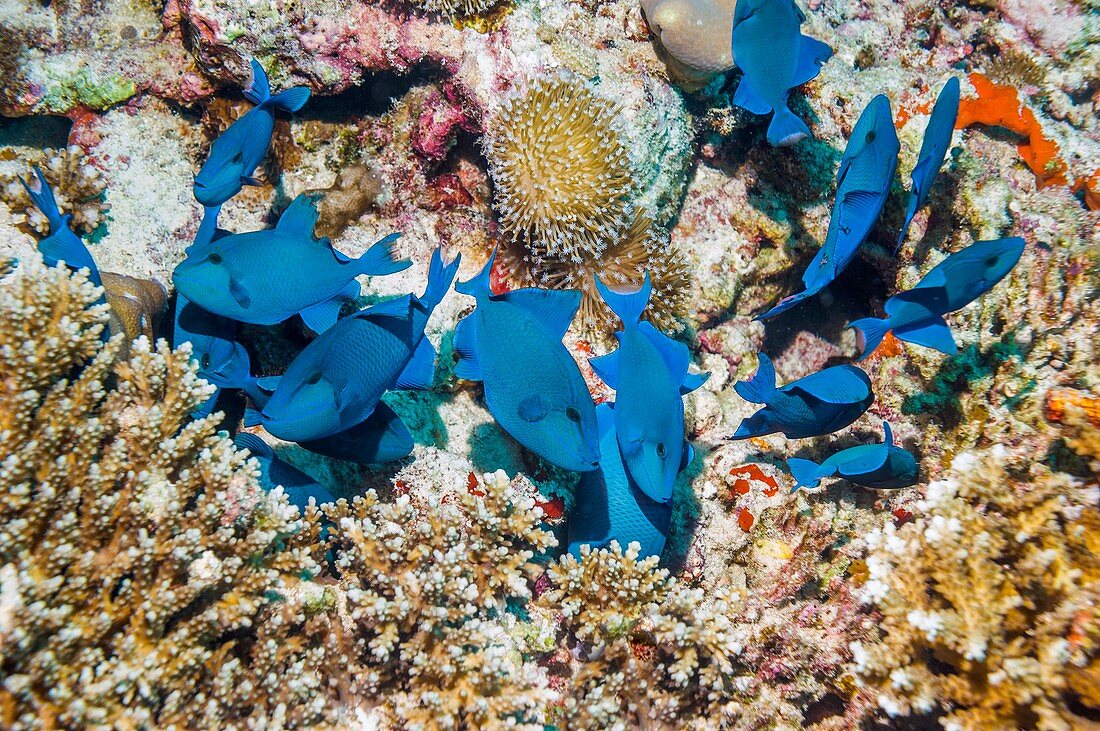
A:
[649, 373]
[775, 58]
[265, 277]
[610, 506]
[821, 403]
[533, 387]
[916, 315]
[336, 382]
[862, 184]
[238, 151]
[381, 438]
[61, 244]
[933, 150]
[299, 486]
[881, 466]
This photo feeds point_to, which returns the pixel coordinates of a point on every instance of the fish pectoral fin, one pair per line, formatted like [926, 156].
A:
[747, 98]
[553, 309]
[607, 368]
[687, 457]
[299, 218]
[533, 409]
[321, 316]
[240, 293]
[268, 383]
[932, 333]
[465, 345]
[420, 371]
[861, 205]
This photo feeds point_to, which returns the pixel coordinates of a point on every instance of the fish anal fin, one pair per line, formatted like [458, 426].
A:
[465, 345]
[321, 316]
[932, 300]
[420, 370]
[812, 54]
[932, 333]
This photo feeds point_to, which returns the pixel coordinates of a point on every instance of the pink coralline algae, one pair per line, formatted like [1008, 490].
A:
[435, 129]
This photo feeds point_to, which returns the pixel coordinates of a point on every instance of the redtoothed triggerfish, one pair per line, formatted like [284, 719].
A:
[933, 150]
[916, 316]
[882, 466]
[775, 58]
[610, 506]
[336, 382]
[299, 486]
[238, 151]
[649, 373]
[821, 403]
[61, 244]
[533, 387]
[862, 184]
[265, 277]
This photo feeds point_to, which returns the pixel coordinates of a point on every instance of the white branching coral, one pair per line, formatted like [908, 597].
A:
[78, 187]
[989, 598]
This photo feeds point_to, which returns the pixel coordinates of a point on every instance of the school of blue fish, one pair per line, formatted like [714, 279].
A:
[629, 453]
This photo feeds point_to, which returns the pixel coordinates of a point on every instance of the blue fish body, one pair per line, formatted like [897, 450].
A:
[775, 58]
[916, 315]
[649, 375]
[820, 403]
[933, 150]
[381, 438]
[237, 152]
[336, 382]
[863, 183]
[299, 486]
[882, 466]
[265, 277]
[533, 387]
[609, 505]
[61, 244]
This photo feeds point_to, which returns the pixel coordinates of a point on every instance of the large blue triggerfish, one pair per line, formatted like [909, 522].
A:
[609, 505]
[265, 277]
[533, 387]
[649, 373]
[337, 380]
[221, 359]
[61, 244]
[775, 58]
[882, 466]
[821, 403]
[381, 438]
[933, 149]
[916, 316]
[299, 486]
[238, 151]
[862, 184]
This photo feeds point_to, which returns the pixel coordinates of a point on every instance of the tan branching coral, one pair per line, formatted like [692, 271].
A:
[77, 186]
[140, 566]
[562, 174]
[989, 598]
[653, 653]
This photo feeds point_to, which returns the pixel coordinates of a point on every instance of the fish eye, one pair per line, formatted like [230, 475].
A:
[214, 258]
[661, 451]
[991, 261]
[871, 136]
[573, 415]
[314, 379]
[204, 363]
[238, 157]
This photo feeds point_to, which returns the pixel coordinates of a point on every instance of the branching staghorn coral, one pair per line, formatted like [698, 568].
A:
[989, 598]
[142, 575]
[78, 187]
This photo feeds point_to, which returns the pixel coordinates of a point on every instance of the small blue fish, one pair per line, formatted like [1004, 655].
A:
[882, 466]
[533, 387]
[649, 375]
[862, 184]
[239, 150]
[610, 506]
[265, 277]
[299, 486]
[61, 244]
[933, 150]
[820, 403]
[916, 316]
[336, 382]
[775, 58]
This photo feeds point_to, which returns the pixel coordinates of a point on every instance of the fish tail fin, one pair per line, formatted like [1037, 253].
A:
[628, 306]
[761, 386]
[872, 330]
[254, 444]
[38, 188]
[481, 283]
[381, 258]
[258, 90]
[440, 277]
[786, 128]
[806, 473]
[290, 100]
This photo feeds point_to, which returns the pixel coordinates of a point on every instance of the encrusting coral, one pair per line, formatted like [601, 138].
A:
[78, 187]
[142, 573]
[988, 598]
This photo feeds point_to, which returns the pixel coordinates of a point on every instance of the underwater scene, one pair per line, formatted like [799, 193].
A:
[550, 365]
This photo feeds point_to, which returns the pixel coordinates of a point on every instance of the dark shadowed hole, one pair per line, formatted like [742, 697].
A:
[39, 131]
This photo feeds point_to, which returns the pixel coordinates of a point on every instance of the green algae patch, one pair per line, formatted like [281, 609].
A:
[82, 87]
[957, 373]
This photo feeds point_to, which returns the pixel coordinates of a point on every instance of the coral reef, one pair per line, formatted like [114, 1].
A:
[77, 185]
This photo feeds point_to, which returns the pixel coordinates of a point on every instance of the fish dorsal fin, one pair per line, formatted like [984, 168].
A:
[812, 55]
[465, 344]
[398, 308]
[869, 459]
[932, 300]
[254, 444]
[420, 370]
[533, 409]
[299, 218]
[842, 384]
[760, 386]
[933, 332]
[675, 354]
[607, 368]
[552, 308]
[258, 90]
[887, 434]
